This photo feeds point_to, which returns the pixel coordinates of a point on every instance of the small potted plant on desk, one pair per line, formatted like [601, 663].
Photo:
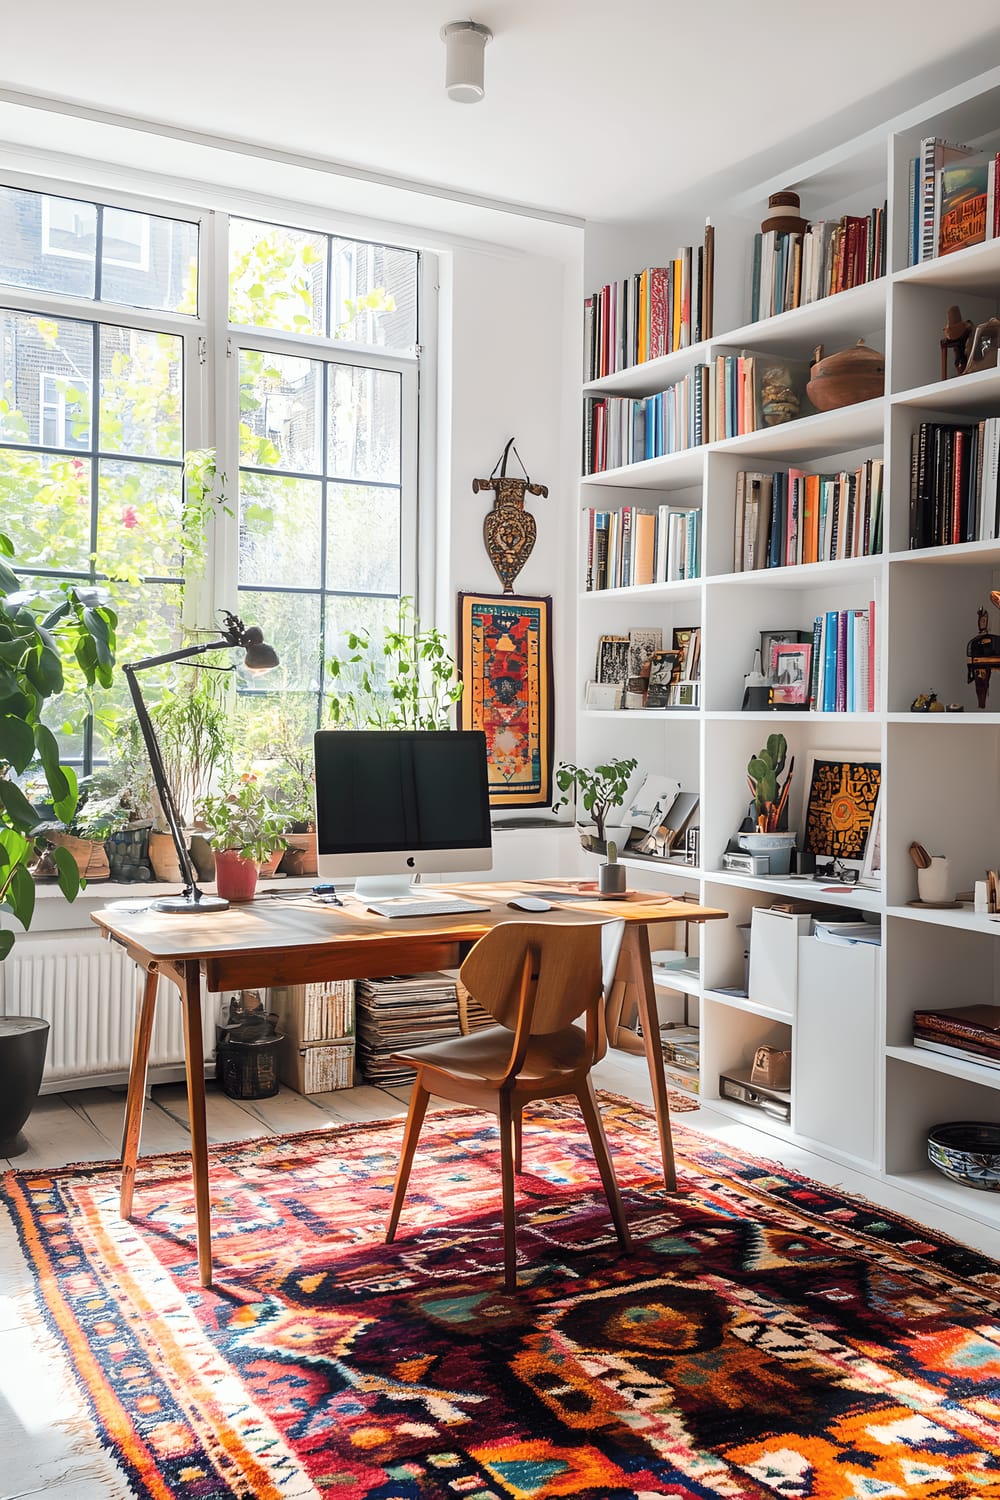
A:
[244, 830]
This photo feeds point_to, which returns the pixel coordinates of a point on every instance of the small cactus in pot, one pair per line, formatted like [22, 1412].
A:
[611, 875]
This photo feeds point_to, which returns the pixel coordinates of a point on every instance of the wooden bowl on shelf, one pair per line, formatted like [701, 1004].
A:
[850, 375]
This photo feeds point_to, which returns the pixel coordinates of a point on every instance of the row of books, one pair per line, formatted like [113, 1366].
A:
[955, 483]
[733, 395]
[952, 200]
[633, 546]
[791, 269]
[793, 517]
[319, 1011]
[842, 668]
[650, 313]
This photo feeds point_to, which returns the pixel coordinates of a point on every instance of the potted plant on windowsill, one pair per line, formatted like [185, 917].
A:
[244, 830]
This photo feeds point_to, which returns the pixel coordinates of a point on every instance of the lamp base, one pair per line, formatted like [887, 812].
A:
[192, 903]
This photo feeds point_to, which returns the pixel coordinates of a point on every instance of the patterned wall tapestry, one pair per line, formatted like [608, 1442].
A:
[505, 661]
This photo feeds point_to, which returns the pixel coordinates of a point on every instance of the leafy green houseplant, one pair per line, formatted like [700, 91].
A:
[406, 679]
[599, 789]
[43, 635]
[245, 829]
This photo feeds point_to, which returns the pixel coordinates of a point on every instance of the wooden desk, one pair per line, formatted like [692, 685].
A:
[269, 941]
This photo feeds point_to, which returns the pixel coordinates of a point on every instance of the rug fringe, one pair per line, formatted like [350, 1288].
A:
[79, 1461]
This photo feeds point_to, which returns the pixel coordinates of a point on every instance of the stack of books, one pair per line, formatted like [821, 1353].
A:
[955, 483]
[969, 1031]
[632, 546]
[832, 255]
[844, 657]
[408, 1010]
[793, 517]
[650, 313]
[953, 198]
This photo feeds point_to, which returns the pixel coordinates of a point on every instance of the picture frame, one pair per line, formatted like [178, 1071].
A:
[842, 790]
[871, 869]
[771, 638]
[505, 663]
[789, 671]
[662, 667]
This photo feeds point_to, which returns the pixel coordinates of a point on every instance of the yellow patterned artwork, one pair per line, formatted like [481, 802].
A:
[841, 797]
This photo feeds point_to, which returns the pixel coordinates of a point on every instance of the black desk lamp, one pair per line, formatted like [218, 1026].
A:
[260, 657]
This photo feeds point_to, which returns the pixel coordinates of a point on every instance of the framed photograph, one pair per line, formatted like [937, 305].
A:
[505, 662]
[662, 666]
[789, 671]
[842, 793]
[771, 638]
[613, 659]
[871, 869]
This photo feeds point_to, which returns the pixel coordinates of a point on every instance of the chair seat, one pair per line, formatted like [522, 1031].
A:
[483, 1055]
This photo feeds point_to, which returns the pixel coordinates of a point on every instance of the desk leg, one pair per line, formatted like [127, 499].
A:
[634, 966]
[195, 1063]
[137, 1089]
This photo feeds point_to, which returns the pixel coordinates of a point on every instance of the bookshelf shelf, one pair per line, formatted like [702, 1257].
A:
[926, 601]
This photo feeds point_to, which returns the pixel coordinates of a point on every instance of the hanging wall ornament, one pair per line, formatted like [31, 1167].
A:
[509, 530]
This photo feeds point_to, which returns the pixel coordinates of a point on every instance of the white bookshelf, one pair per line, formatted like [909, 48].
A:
[940, 773]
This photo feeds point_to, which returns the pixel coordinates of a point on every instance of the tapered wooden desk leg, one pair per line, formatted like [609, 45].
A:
[635, 956]
[195, 1063]
[132, 1129]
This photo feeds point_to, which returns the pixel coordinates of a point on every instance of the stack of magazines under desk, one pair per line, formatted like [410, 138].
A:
[409, 1010]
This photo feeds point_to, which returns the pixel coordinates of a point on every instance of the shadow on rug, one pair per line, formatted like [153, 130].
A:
[767, 1337]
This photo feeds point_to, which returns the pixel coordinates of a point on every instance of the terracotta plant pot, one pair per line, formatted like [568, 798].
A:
[270, 865]
[90, 855]
[235, 877]
[163, 857]
[300, 856]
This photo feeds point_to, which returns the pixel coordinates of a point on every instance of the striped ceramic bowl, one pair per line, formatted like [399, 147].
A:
[967, 1151]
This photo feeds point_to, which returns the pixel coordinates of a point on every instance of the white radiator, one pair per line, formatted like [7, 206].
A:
[87, 989]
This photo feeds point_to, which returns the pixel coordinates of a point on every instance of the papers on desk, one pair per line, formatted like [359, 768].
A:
[848, 932]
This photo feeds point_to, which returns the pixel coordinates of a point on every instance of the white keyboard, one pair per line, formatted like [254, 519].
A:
[447, 906]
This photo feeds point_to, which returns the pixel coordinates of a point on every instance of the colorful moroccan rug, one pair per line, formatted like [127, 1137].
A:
[766, 1337]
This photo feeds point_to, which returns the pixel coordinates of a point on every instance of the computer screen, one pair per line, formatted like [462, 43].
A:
[401, 802]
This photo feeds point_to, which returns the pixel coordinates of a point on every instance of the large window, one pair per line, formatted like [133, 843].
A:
[110, 349]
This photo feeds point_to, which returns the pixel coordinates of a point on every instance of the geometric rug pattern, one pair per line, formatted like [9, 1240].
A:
[766, 1337]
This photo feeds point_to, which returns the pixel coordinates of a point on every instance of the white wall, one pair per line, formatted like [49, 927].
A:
[509, 361]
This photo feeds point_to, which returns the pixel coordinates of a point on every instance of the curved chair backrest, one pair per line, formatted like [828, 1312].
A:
[569, 972]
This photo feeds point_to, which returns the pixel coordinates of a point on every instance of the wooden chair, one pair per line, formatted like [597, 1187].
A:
[535, 979]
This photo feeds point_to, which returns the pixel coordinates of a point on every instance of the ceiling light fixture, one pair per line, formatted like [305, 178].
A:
[465, 42]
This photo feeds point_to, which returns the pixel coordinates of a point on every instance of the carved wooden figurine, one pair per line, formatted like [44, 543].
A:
[508, 530]
[982, 654]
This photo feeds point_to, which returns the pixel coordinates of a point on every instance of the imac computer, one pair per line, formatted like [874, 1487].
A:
[395, 803]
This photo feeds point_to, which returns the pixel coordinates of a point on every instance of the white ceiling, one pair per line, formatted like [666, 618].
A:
[592, 110]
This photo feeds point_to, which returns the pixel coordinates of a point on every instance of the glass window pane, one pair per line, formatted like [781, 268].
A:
[291, 624]
[149, 261]
[138, 521]
[364, 423]
[141, 393]
[277, 277]
[45, 509]
[280, 530]
[281, 420]
[47, 243]
[358, 614]
[270, 724]
[374, 295]
[363, 531]
[46, 378]
[149, 623]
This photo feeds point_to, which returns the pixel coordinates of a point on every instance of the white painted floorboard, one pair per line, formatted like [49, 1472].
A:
[46, 1440]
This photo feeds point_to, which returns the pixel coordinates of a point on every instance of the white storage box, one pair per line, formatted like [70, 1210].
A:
[774, 937]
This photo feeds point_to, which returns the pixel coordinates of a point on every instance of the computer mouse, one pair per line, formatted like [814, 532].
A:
[530, 903]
